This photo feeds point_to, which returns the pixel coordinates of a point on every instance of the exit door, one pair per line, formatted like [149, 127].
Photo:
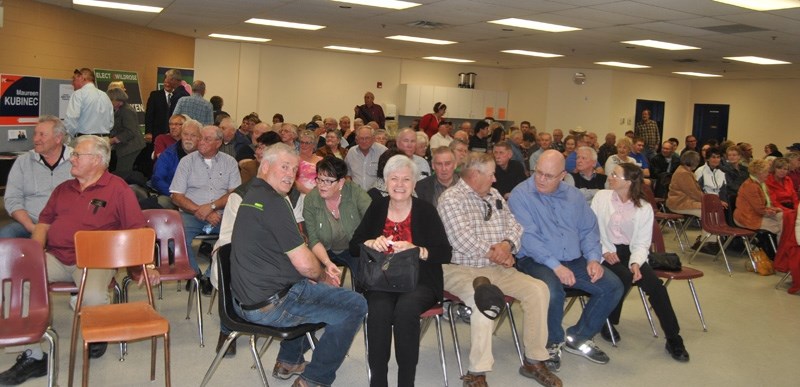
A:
[710, 122]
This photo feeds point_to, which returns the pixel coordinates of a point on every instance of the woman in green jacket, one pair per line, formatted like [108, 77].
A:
[332, 211]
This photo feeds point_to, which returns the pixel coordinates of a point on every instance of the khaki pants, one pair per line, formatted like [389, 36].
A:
[532, 294]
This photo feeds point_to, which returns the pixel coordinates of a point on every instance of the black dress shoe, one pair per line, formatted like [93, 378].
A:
[25, 368]
[676, 349]
[205, 286]
[231, 352]
[97, 350]
[606, 335]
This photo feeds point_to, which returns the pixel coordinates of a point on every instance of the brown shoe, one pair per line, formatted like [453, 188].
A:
[539, 372]
[470, 380]
[300, 382]
[285, 371]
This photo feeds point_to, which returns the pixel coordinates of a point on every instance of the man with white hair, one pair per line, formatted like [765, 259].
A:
[362, 162]
[407, 143]
[585, 178]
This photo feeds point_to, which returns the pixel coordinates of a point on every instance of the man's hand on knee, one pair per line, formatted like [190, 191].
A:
[565, 275]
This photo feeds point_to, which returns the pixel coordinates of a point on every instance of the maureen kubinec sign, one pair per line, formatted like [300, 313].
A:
[19, 99]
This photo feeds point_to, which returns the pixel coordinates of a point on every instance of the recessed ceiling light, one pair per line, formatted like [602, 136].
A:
[532, 53]
[762, 5]
[445, 59]
[393, 4]
[284, 24]
[353, 49]
[623, 64]
[756, 60]
[661, 45]
[420, 40]
[534, 25]
[694, 74]
[114, 5]
[238, 37]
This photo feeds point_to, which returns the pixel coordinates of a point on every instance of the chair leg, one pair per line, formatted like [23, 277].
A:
[72, 344]
[217, 359]
[199, 302]
[456, 346]
[366, 351]
[514, 333]
[498, 323]
[750, 253]
[312, 340]
[697, 305]
[152, 358]
[440, 339]
[722, 247]
[424, 324]
[702, 243]
[85, 373]
[785, 277]
[263, 350]
[647, 311]
[52, 365]
[211, 303]
[167, 373]
[259, 366]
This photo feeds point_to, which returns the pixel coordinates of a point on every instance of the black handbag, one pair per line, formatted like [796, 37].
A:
[664, 261]
[392, 272]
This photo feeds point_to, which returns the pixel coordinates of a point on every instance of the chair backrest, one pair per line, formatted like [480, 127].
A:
[110, 249]
[657, 243]
[227, 314]
[22, 262]
[168, 226]
[651, 198]
[713, 214]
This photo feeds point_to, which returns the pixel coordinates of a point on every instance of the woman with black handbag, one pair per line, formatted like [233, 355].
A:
[625, 219]
[391, 225]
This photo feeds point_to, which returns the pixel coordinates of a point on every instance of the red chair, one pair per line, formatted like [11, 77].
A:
[676, 222]
[686, 273]
[713, 222]
[22, 261]
[168, 226]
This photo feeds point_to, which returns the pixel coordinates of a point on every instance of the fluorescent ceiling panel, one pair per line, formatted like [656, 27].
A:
[353, 49]
[756, 60]
[623, 64]
[420, 40]
[284, 24]
[445, 59]
[660, 45]
[533, 25]
[238, 37]
[392, 4]
[532, 53]
[762, 5]
[694, 74]
[115, 5]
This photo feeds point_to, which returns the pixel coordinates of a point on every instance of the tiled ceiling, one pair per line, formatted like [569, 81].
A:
[604, 22]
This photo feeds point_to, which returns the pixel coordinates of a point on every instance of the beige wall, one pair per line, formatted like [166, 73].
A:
[49, 41]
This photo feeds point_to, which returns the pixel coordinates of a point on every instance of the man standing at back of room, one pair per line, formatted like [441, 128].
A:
[196, 106]
[647, 130]
[89, 110]
[370, 111]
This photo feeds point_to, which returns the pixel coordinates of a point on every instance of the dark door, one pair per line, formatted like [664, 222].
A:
[656, 113]
[710, 122]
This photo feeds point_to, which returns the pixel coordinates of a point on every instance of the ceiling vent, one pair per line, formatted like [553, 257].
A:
[733, 29]
[428, 25]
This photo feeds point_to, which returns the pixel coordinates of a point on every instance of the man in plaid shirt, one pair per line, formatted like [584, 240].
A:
[647, 129]
[484, 235]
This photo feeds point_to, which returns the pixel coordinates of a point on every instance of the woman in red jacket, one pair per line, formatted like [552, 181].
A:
[430, 122]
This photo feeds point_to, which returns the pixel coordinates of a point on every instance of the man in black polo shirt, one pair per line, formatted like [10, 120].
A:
[277, 281]
[585, 177]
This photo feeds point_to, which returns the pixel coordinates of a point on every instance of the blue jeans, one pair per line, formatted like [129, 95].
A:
[606, 293]
[192, 227]
[341, 309]
[14, 230]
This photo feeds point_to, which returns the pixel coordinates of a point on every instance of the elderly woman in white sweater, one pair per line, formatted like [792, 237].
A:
[625, 219]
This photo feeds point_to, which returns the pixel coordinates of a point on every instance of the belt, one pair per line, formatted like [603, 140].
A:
[94, 134]
[270, 301]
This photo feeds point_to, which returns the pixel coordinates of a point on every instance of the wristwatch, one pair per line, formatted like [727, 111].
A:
[510, 244]
[213, 206]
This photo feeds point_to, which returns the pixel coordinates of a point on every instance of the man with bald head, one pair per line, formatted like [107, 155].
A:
[561, 246]
[228, 136]
[370, 111]
[608, 148]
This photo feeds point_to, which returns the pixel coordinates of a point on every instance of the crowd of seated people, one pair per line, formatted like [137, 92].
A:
[345, 188]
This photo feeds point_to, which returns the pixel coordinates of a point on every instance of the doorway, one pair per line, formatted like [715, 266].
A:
[656, 114]
[710, 122]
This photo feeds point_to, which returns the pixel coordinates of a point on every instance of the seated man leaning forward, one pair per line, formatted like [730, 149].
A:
[561, 246]
[94, 200]
[274, 275]
[484, 235]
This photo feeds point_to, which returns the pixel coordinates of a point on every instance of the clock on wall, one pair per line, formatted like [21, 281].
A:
[579, 78]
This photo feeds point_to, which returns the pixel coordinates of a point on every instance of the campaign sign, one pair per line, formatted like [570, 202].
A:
[130, 82]
[19, 99]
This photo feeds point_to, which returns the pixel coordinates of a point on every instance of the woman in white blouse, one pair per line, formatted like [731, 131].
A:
[625, 219]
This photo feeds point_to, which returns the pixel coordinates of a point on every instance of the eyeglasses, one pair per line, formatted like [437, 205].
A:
[488, 212]
[614, 175]
[75, 155]
[545, 176]
[326, 182]
[306, 142]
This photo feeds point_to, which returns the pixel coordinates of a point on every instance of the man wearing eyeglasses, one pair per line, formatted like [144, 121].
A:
[89, 110]
[561, 246]
[484, 236]
[200, 189]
